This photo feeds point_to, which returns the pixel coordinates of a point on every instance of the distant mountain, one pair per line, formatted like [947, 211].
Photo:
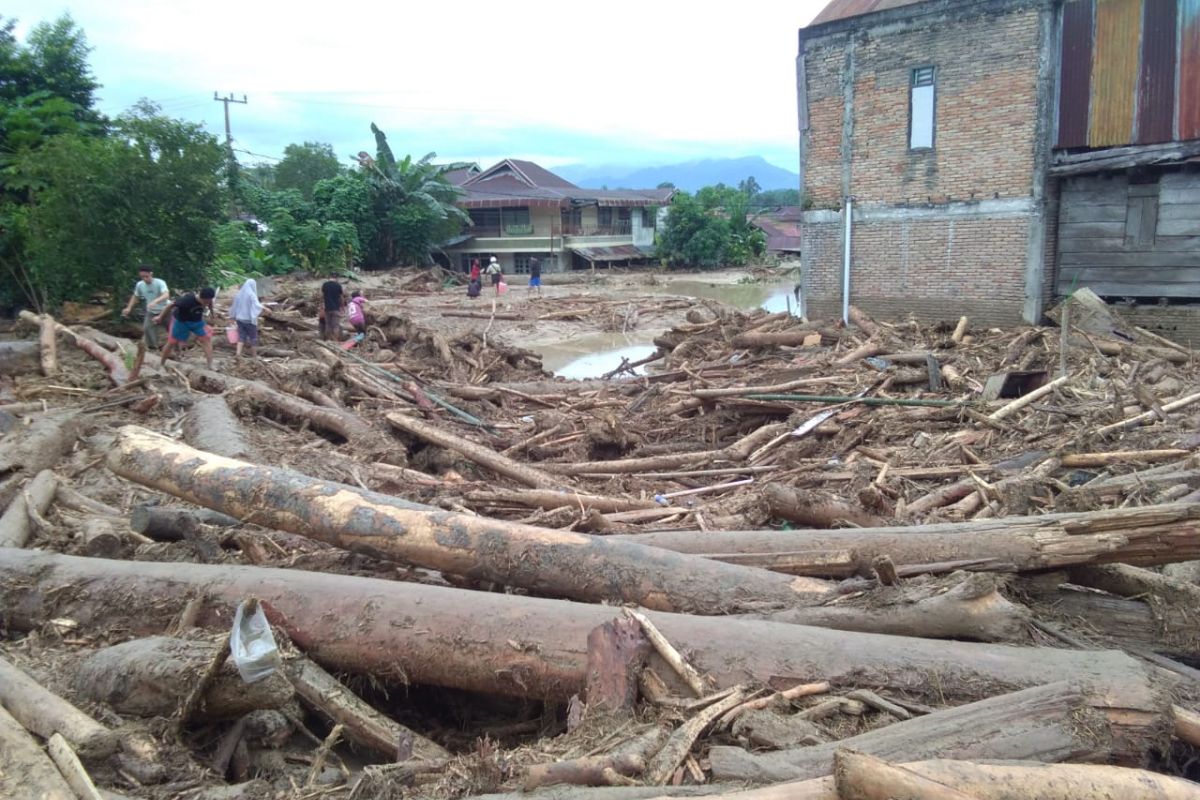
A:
[689, 175]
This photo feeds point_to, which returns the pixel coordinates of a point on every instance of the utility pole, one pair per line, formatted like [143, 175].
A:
[227, 100]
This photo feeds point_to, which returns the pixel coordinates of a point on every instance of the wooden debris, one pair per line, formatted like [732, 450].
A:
[46, 714]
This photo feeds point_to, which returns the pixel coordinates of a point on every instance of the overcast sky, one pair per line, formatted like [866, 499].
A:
[646, 82]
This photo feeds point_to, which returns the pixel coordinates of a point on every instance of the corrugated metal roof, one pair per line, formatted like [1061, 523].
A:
[523, 183]
[1074, 91]
[620, 252]
[1114, 71]
[844, 9]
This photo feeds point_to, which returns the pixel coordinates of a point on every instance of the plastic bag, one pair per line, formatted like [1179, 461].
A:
[501, 287]
[252, 645]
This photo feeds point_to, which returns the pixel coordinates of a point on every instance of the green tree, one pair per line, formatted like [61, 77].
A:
[305, 165]
[414, 204]
[773, 198]
[749, 187]
[709, 230]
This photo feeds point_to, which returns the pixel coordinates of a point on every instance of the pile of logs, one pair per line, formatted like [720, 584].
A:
[488, 588]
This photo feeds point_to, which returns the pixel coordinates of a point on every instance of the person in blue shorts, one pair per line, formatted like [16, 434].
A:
[535, 275]
[189, 323]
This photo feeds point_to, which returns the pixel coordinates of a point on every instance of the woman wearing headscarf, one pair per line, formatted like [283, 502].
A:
[245, 311]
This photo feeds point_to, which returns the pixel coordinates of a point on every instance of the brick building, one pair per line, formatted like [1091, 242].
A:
[994, 153]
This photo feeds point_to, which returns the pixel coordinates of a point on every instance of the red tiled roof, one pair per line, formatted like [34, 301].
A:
[782, 227]
[844, 9]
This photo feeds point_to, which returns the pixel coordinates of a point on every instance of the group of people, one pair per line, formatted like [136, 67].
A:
[334, 306]
[496, 275]
[181, 319]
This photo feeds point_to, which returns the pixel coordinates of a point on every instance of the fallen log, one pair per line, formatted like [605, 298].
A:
[152, 677]
[27, 771]
[16, 525]
[363, 724]
[48, 345]
[114, 363]
[212, 427]
[72, 770]
[483, 456]
[461, 639]
[1122, 457]
[548, 499]
[858, 776]
[564, 563]
[814, 509]
[173, 524]
[342, 423]
[104, 537]
[45, 713]
[972, 609]
[1063, 721]
[738, 451]
[18, 358]
[26, 451]
[584, 771]
[1145, 536]
[790, 338]
[1153, 414]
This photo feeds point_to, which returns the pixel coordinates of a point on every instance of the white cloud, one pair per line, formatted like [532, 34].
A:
[622, 81]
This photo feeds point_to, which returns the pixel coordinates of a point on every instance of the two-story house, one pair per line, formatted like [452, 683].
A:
[520, 210]
[982, 157]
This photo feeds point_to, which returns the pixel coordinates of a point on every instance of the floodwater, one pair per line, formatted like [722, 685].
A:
[598, 354]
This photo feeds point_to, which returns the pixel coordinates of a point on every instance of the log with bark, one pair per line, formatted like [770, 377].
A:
[563, 563]
[26, 771]
[363, 724]
[1062, 721]
[616, 652]
[114, 362]
[1145, 536]
[508, 644]
[815, 509]
[154, 676]
[736, 452]
[45, 713]
[16, 525]
[18, 358]
[484, 456]
[173, 524]
[48, 344]
[26, 451]
[212, 427]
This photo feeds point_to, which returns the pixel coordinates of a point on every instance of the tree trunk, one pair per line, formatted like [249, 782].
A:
[812, 508]
[347, 425]
[858, 776]
[48, 345]
[174, 524]
[460, 639]
[212, 427]
[616, 653]
[25, 770]
[113, 362]
[566, 564]
[16, 525]
[736, 452]
[27, 451]
[104, 537]
[363, 724]
[483, 456]
[789, 338]
[45, 713]
[152, 677]
[1064, 721]
[972, 610]
[18, 358]
[1144, 536]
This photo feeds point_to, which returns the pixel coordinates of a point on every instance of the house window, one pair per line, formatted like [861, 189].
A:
[485, 221]
[648, 217]
[604, 217]
[516, 221]
[921, 106]
[572, 221]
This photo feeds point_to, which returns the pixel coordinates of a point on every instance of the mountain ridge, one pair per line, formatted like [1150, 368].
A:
[686, 175]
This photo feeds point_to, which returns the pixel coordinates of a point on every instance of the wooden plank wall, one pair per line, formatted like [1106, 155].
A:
[1130, 239]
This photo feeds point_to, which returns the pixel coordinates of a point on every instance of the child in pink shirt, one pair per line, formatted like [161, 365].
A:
[355, 314]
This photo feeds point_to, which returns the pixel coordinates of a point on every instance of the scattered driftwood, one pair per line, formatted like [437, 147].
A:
[814, 509]
[172, 524]
[548, 498]
[1051, 723]
[672, 754]
[567, 564]
[353, 629]
[72, 770]
[362, 724]
[114, 363]
[24, 452]
[45, 713]
[27, 772]
[16, 525]
[152, 677]
[586, 771]
[48, 345]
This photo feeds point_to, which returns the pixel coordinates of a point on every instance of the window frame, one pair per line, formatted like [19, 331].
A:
[913, 76]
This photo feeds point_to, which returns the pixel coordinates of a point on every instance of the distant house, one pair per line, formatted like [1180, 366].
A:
[782, 228]
[520, 210]
[983, 157]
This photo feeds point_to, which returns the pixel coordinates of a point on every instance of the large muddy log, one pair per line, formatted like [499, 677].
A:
[1063, 721]
[814, 508]
[18, 358]
[26, 451]
[152, 677]
[212, 427]
[509, 644]
[562, 563]
[1144, 536]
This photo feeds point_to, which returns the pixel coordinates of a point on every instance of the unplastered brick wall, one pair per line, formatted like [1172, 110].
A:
[933, 268]
[986, 61]
[1179, 323]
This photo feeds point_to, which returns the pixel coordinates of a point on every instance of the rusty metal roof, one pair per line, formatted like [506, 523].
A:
[524, 183]
[844, 9]
[619, 252]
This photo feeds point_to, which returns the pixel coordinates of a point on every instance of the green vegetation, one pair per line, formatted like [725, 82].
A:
[710, 230]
